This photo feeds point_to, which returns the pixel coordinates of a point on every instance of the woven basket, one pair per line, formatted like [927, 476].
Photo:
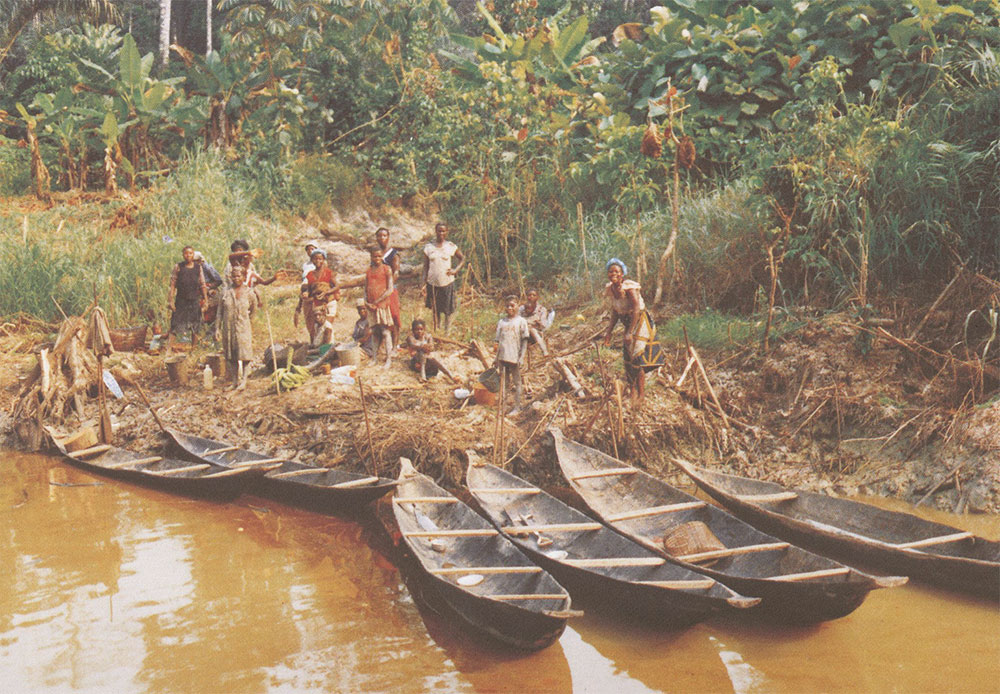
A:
[129, 339]
[692, 537]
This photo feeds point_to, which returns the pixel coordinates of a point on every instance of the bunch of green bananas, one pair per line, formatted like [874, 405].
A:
[291, 376]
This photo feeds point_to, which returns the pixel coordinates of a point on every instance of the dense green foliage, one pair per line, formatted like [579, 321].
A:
[858, 141]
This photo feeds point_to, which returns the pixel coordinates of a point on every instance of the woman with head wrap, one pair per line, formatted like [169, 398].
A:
[640, 350]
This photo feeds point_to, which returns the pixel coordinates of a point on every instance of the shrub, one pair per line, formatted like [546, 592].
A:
[15, 168]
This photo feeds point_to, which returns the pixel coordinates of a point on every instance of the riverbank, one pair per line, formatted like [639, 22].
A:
[811, 413]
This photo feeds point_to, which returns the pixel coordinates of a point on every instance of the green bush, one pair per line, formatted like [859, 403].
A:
[15, 168]
[318, 181]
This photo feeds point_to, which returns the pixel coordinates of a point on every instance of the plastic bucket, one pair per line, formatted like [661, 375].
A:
[491, 379]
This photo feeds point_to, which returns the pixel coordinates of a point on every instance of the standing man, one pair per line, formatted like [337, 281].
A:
[439, 276]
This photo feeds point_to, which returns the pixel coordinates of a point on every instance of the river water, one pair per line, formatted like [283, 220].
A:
[108, 587]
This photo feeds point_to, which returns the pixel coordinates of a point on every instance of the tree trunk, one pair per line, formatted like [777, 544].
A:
[164, 32]
[39, 172]
[208, 27]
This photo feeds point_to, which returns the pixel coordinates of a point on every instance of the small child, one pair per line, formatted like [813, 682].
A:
[538, 319]
[362, 333]
[421, 344]
[324, 306]
[512, 339]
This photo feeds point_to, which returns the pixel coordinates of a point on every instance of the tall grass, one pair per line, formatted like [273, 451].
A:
[129, 269]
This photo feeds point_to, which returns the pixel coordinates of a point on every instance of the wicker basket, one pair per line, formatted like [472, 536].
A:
[129, 339]
[689, 538]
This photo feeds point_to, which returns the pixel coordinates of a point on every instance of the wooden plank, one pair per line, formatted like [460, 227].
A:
[93, 450]
[507, 490]
[224, 449]
[425, 500]
[610, 472]
[304, 471]
[940, 540]
[355, 483]
[178, 470]
[615, 561]
[691, 584]
[552, 527]
[731, 551]
[766, 498]
[487, 570]
[133, 463]
[262, 461]
[655, 511]
[484, 532]
[528, 596]
[805, 576]
[227, 473]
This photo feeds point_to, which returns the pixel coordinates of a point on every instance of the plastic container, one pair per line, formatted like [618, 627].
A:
[207, 378]
[491, 379]
[343, 375]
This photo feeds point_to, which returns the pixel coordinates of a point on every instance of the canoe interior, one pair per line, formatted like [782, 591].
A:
[492, 550]
[197, 446]
[622, 494]
[115, 462]
[506, 508]
[854, 517]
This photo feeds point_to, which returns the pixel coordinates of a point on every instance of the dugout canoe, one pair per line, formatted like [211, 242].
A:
[795, 586]
[594, 562]
[327, 490]
[887, 540]
[477, 573]
[203, 480]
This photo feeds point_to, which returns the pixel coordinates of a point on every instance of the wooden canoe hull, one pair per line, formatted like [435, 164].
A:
[312, 491]
[528, 624]
[198, 484]
[862, 533]
[627, 591]
[610, 496]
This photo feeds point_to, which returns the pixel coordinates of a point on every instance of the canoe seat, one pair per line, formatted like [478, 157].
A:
[424, 500]
[528, 596]
[451, 570]
[356, 483]
[133, 463]
[655, 511]
[695, 584]
[549, 528]
[940, 540]
[178, 470]
[611, 562]
[610, 472]
[806, 575]
[506, 490]
[767, 498]
[732, 551]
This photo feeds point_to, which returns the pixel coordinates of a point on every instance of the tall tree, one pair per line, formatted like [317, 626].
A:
[164, 32]
[208, 27]
[24, 12]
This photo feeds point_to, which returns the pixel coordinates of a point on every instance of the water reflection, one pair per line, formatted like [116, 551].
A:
[110, 587]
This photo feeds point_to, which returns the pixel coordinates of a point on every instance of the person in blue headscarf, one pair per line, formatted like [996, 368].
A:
[640, 350]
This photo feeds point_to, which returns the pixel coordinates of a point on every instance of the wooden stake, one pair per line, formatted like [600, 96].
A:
[500, 415]
[274, 358]
[583, 238]
[708, 384]
[368, 426]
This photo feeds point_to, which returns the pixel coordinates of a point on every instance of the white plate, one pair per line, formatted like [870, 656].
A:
[557, 554]
[469, 580]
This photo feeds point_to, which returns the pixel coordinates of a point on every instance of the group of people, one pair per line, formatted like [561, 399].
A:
[198, 293]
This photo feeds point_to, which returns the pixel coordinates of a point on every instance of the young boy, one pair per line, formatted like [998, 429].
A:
[421, 344]
[362, 334]
[537, 318]
[378, 289]
[512, 338]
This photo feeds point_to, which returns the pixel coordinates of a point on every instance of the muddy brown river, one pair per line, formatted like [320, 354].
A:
[108, 587]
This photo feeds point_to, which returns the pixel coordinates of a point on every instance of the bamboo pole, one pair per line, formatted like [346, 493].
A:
[274, 358]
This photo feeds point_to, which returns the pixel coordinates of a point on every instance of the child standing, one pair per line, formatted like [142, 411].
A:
[232, 324]
[512, 338]
[378, 289]
[362, 333]
[537, 318]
